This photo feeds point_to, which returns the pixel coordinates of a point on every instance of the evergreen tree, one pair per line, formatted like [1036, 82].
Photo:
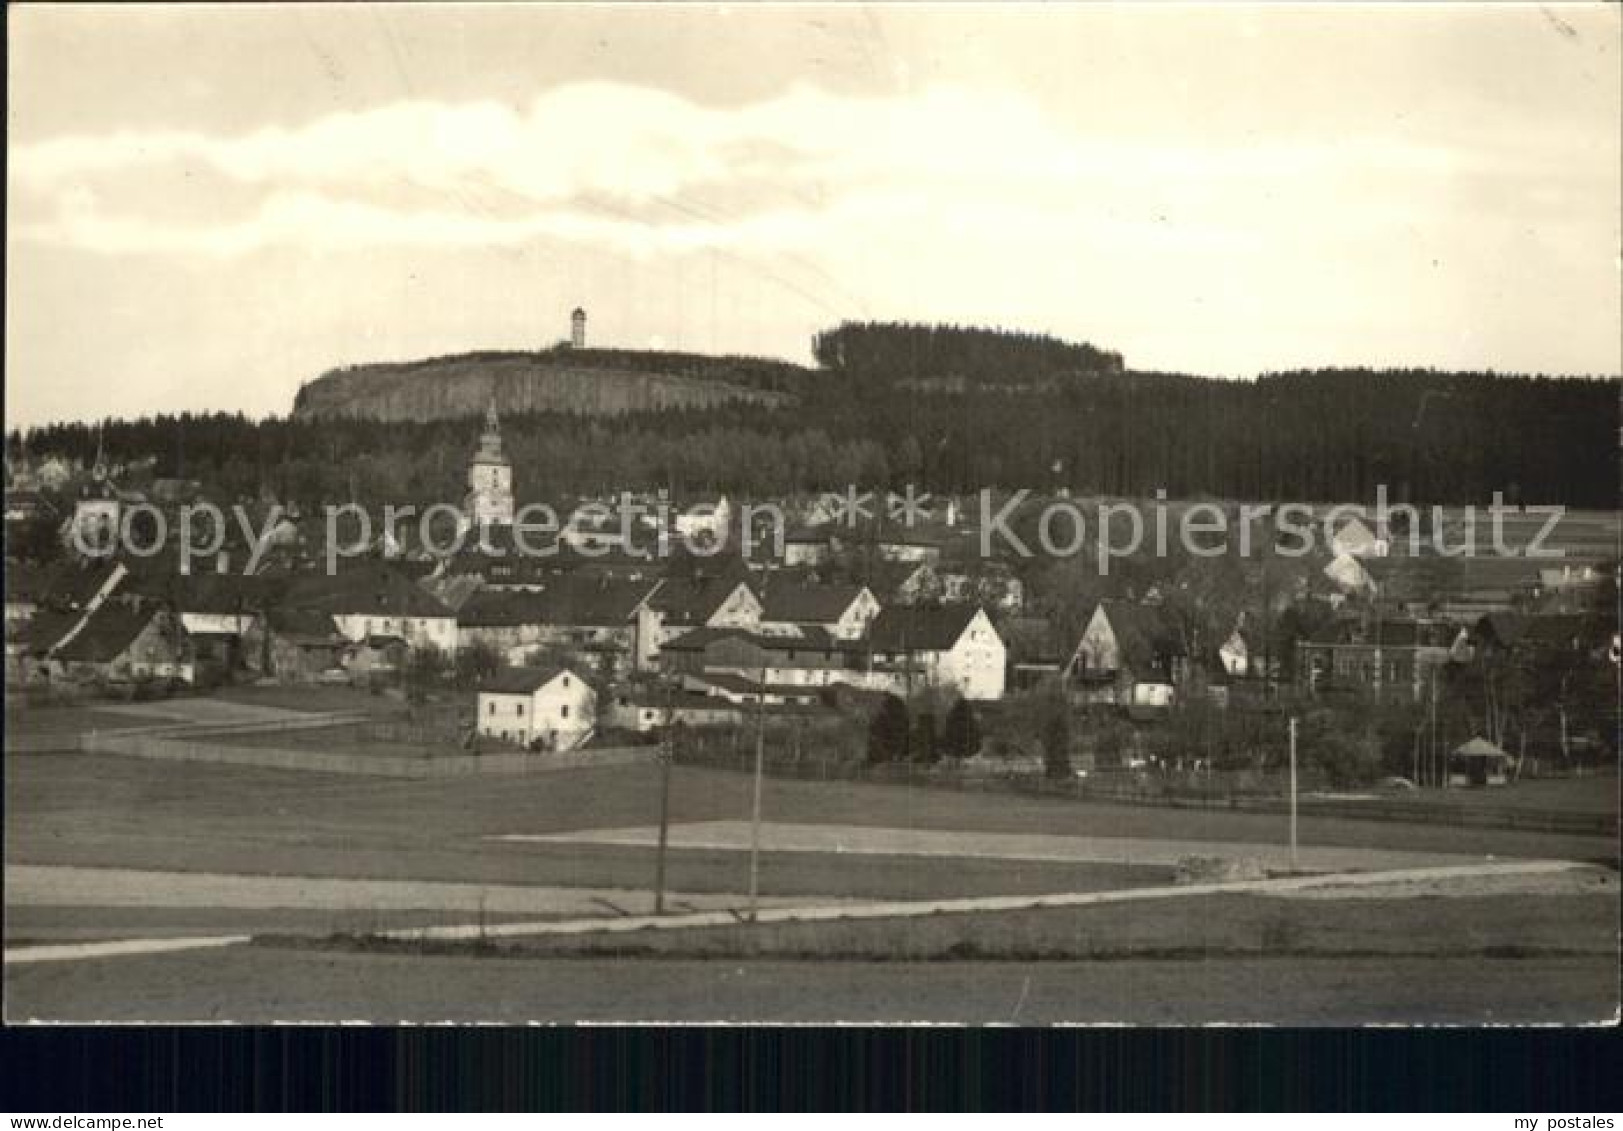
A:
[961, 737]
[1055, 735]
[888, 732]
[926, 747]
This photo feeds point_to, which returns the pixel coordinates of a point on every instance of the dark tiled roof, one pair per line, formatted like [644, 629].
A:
[693, 600]
[814, 535]
[808, 640]
[1142, 633]
[809, 604]
[1036, 640]
[930, 628]
[1389, 632]
[208, 592]
[491, 608]
[591, 602]
[378, 590]
[302, 625]
[681, 699]
[743, 685]
[110, 630]
[67, 585]
[524, 681]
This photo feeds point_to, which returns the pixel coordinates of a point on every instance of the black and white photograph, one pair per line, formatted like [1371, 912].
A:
[923, 514]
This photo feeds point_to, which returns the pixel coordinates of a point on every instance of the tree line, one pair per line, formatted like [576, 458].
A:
[1324, 435]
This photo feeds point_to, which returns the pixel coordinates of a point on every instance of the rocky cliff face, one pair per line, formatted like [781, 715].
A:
[549, 382]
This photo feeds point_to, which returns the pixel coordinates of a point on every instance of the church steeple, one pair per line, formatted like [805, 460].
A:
[490, 440]
[98, 470]
[490, 477]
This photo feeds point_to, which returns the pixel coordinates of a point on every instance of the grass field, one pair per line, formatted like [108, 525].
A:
[60, 719]
[1208, 927]
[344, 739]
[317, 697]
[263, 984]
[108, 810]
[1594, 793]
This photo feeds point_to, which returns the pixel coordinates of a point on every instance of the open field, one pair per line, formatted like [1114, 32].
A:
[111, 811]
[1574, 918]
[318, 697]
[1593, 793]
[351, 738]
[125, 812]
[264, 983]
[875, 840]
[49, 903]
[186, 829]
[59, 719]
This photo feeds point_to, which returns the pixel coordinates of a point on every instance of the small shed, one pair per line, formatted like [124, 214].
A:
[1478, 762]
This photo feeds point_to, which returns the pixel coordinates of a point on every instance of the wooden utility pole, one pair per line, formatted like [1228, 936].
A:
[1294, 867]
[667, 755]
[760, 769]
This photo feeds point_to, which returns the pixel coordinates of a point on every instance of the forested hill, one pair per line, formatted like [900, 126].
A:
[979, 409]
[590, 382]
[922, 356]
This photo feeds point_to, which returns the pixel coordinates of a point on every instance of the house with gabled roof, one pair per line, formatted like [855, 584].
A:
[294, 645]
[903, 582]
[540, 708]
[377, 601]
[842, 611]
[811, 659]
[117, 641]
[604, 624]
[698, 600]
[938, 645]
[1129, 655]
[1377, 655]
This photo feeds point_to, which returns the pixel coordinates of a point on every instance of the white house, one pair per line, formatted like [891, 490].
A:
[1349, 575]
[1354, 537]
[541, 708]
[1235, 654]
[948, 646]
[1129, 655]
[705, 522]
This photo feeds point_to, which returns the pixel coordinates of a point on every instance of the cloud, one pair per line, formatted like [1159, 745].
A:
[642, 171]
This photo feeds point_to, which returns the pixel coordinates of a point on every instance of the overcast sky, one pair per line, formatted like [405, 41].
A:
[209, 206]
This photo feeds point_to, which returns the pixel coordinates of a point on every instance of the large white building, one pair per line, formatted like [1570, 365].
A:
[547, 708]
[949, 646]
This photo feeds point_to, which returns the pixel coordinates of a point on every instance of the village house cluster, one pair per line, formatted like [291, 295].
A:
[596, 636]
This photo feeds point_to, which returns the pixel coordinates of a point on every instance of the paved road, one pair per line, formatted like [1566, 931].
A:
[1339, 882]
[111, 889]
